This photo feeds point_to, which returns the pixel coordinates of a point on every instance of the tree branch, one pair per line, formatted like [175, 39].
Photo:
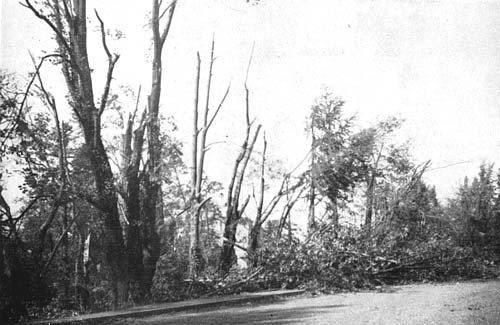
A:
[219, 107]
[58, 32]
[194, 152]
[56, 247]
[112, 59]
[171, 11]
[25, 96]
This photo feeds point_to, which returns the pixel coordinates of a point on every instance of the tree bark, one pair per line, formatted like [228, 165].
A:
[253, 237]
[369, 201]
[311, 220]
[196, 171]
[370, 190]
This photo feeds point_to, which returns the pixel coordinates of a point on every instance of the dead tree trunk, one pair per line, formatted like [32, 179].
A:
[233, 211]
[133, 142]
[370, 189]
[152, 202]
[311, 222]
[194, 253]
[253, 237]
[198, 150]
[369, 201]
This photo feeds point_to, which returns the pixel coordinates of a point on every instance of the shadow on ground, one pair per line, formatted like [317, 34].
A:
[240, 316]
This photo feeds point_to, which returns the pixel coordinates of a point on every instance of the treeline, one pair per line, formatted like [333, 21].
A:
[109, 222]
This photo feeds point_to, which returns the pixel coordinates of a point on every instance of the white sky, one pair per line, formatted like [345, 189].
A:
[435, 63]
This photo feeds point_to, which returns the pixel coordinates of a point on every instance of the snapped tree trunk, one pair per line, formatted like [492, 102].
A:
[311, 220]
[233, 211]
[370, 189]
[133, 141]
[369, 202]
[152, 203]
[253, 237]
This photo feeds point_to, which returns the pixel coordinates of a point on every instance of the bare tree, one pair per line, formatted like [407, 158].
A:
[292, 199]
[198, 150]
[233, 211]
[263, 214]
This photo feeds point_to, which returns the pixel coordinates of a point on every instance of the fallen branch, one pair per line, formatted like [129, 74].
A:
[234, 284]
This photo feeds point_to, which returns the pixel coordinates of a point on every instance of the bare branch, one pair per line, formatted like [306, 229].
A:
[171, 10]
[41, 16]
[235, 244]
[165, 10]
[213, 144]
[209, 83]
[219, 107]
[25, 96]
[103, 34]
[68, 13]
[243, 207]
[200, 206]
[194, 153]
[288, 208]
[137, 102]
[111, 65]
[56, 247]
[57, 31]
[247, 107]
[247, 153]
[60, 141]
[24, 212]
[204, 130]
[260, 203]
[249, 63]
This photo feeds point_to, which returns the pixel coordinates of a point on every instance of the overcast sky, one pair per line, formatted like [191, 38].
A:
[434, 63]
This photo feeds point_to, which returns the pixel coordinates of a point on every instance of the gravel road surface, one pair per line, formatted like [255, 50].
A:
[450, 303]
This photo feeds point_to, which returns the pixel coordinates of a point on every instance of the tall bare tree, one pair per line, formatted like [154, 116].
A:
[198, 151]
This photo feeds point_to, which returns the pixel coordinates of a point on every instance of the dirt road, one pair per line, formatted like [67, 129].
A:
[450, 303]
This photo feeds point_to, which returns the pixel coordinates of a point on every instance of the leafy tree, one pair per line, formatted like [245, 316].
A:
[329, 172]
[380, 159]
[474, 211]
[339, 155]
